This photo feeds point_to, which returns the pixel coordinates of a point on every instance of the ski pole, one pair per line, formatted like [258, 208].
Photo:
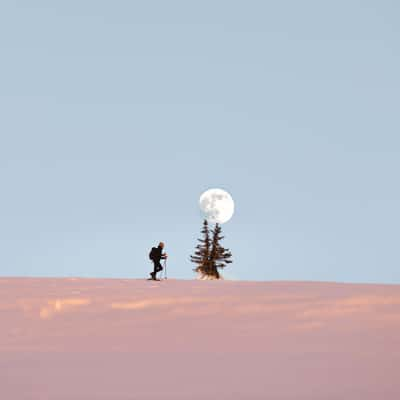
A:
[165, 269]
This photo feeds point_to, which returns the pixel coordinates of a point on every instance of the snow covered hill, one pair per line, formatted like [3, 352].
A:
[124, 339]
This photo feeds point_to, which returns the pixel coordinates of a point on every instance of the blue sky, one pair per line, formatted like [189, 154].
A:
[117, 115]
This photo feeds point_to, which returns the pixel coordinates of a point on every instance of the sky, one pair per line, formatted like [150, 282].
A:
[117, 115]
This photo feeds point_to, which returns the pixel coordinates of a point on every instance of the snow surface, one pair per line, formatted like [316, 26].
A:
[130, 339]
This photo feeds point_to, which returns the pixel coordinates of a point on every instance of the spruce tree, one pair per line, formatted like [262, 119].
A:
[219, 256]
[210, 256]
[201, 255]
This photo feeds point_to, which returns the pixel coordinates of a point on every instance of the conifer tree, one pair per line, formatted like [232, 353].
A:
[201, 255]
[210, 256]
[219, 256]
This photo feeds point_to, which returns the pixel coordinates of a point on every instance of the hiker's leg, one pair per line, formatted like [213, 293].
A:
[153, 274]
[159, 267]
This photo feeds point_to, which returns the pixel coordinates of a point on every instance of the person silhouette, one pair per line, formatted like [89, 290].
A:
[156, 255]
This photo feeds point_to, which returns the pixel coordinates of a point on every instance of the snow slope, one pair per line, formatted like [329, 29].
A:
[129, 339]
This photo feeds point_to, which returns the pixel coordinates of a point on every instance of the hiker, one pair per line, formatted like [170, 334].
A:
[156, 255]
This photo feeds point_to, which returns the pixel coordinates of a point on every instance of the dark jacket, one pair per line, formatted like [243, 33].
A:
[158, 255]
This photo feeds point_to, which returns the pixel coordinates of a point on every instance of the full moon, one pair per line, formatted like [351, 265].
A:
[217, 206]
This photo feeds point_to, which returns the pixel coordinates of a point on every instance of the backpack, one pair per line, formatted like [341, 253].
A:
[152, 253]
